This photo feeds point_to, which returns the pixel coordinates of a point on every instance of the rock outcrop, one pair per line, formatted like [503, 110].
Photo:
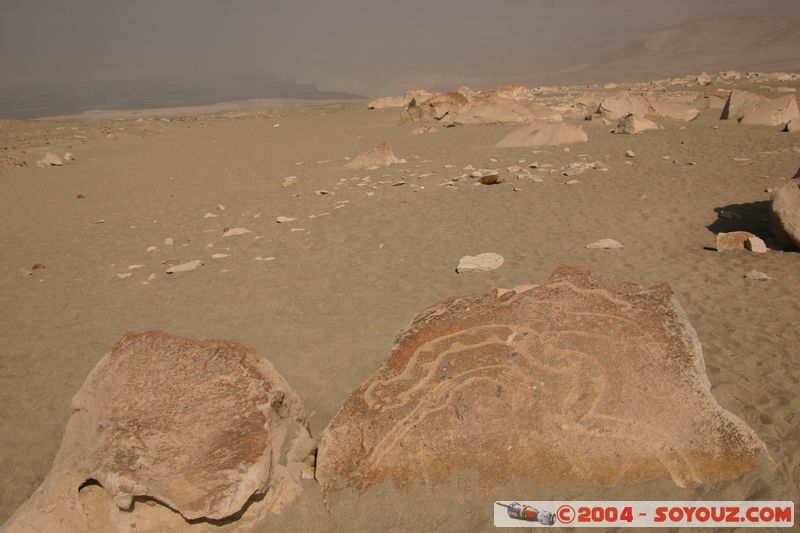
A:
[740, 102]
[567, 382]
[167, 432]
[777, 112]
[620, 106]
[380, 156]
[633, 124]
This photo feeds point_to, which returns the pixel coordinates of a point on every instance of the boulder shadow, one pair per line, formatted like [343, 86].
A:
[753, 217]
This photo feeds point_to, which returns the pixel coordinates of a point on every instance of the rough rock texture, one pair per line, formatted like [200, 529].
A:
[673, 110]
[777, 112]
[621, 105]
[381, 156]
[635, 124]
[498, 110]
[201, 427]
[543, 134]
[785, 213]
[740, 102]
[565, 382]
[735, 240]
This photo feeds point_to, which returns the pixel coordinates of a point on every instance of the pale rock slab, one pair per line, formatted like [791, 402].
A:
[167, 430]
[479, 263]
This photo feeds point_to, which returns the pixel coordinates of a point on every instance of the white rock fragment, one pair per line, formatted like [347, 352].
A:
[479, 263]
[152, 248]
[220, 256]
[629, 153]
[288, 181]
[210, 215]
[134, 267]
[185, 267]
[233, 232]
[69, 157]
[283, 220]
[169, 241]
[757, 276]
[124, 275]
[259, 258]
[604, 244]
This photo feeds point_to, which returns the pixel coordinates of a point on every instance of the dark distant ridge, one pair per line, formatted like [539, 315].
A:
[71, 98]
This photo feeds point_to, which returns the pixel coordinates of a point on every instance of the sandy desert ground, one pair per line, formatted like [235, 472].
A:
[324, 296]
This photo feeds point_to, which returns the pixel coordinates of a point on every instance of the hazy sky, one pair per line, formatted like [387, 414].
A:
[360, 45]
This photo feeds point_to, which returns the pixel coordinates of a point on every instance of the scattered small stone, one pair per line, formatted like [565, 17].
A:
[571, 182]
[99, 221]
[220, 256]
[169, 241]
[37, 266]
[491, 180]
[757, 276]
[604, 244]
[80, 196]
[630, 153]
[288, 181]
[283, 220]
[479, 263]
[210, 215]
[322, 192]
[134, 267]
[185, 267]
[259, 258]
[69, 157]
[233, 232]
[152, 248]
[124, 275]
[49, 160]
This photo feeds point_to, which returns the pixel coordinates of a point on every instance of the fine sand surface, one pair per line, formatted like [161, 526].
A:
[327, 308]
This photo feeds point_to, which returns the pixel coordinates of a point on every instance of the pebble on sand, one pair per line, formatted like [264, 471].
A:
[604, 244]
[283, 220]
[185, 267]
[49, 160]
[233, 232]
[479, 263]
[757, 276]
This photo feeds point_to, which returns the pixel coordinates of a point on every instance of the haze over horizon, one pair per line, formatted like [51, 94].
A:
[352, 46]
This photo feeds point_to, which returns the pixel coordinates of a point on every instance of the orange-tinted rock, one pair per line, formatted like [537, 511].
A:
[580, 380]
[735, 240]
[202, 427]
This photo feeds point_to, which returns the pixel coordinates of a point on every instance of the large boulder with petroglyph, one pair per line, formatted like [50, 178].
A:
[172, 434]
[567, 382]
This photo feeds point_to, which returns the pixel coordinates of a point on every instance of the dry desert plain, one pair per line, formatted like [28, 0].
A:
[324, 293]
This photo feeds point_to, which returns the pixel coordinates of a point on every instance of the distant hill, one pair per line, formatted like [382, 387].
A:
[763, 44]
